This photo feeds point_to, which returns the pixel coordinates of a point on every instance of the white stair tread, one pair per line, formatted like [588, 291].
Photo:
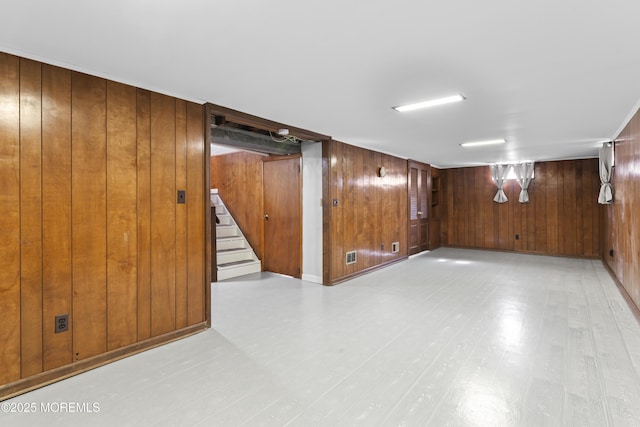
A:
[238, 250]
[234, 254]
[228, 239]
[237, 263]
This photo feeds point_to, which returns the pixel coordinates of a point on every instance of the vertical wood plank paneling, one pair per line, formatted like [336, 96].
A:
[478, 216]
[596, 218]
[518, 227]
[56, 213]
[358, 208]
[340, 244]
[487, 193]
[238, 178]
[581, 212]
[633, 257]
[367, 215]
[31, 215]
[75, 167]
[143, 154]
[88, 214]
[196, 205]
[622, 225]
[540, 212]
[365, 231]
[446, 202]
[163, 214]
[470, 200]
[380, 200]
[504, 221]
[181, 214]
[567, 203]
[551, 212]
[10, 217]
[458, 225]
[534, 201]
[348, 223]
[122, 310]
[550, 223]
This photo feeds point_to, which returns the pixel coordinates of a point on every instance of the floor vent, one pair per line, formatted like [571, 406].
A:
[351, 257]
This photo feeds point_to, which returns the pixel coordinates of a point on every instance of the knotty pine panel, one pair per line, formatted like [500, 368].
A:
[10, 217]
[622, 224]
[122, 310]
[558, 220]
[31, 216]
[238, 178]
[163, 214]
[56, 214]
[89, 214]
[370, 212]
[76, 219]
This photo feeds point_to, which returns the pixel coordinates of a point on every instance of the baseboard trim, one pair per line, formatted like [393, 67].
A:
[513, 251]
[312, 278]
[625, 295]
[25, 385]
[365, 271]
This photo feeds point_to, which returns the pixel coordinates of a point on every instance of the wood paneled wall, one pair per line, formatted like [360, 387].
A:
[89, 170]
[238, 178]
[371, 211]
[622, 224]
[562, 217]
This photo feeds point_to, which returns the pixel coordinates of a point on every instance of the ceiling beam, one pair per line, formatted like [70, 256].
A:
[220, 115]
[225, 135]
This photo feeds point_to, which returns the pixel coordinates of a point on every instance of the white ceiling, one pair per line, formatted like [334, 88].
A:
[554, 78]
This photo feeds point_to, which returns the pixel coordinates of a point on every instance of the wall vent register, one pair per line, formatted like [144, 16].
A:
[395, 247]
[351, 257]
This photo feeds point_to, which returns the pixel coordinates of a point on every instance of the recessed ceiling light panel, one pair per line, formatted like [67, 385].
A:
[430, 103]
[480, 143]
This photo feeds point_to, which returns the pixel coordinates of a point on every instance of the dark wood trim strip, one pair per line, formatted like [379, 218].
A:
[25, 385]
[524, 252]
[210, 270]
[365, 271]
[326, 212]
[627, 298]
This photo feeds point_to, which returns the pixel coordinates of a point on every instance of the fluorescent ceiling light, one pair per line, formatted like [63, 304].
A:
[431, 103]
[479, 143]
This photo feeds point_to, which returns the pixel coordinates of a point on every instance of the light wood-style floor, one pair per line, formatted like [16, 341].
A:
[448, 338]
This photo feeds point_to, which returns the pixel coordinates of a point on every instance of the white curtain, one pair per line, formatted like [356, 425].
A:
[606, 163]
[524, 173]
[499, 174]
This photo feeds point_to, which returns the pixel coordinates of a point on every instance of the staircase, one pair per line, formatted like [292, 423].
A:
[234, 255]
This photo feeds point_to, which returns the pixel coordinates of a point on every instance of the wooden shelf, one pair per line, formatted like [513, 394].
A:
[435, 194]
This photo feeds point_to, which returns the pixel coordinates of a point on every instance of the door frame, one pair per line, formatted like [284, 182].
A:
[423, 194]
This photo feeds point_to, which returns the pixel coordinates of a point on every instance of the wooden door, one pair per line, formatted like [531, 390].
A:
[418, 203]
[282, 216]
